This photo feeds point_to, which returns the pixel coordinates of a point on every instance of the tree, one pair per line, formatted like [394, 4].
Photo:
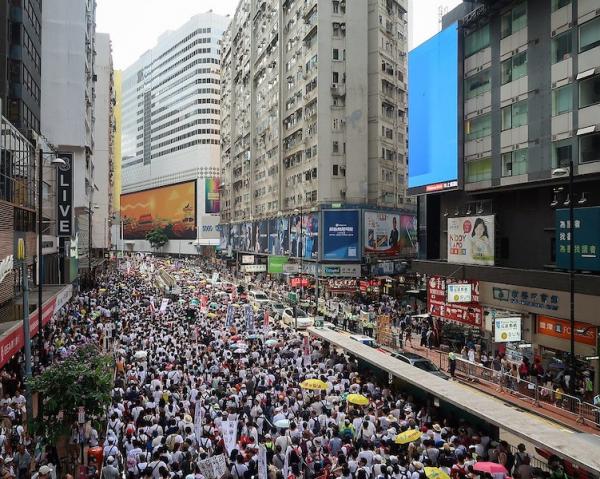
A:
[84, 378]
[157, 238]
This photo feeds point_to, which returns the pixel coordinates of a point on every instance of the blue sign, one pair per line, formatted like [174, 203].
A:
[586, 235]
[229, 317]
[433, 113]
[341, 235]
[249, 318]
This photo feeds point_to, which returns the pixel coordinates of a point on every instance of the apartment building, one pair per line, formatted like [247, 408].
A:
[171, 134]
[313, 106]
[529, 103]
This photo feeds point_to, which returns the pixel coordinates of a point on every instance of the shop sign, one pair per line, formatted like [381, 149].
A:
[586, 238]
[247, 259]
[291, 268]
[368, 285]
[299, 282]
[467, 313]
[277, 264]
[507, 330]
[254, 268]
[341, 285]
[559, 328]
[64, 195]
[459, 292]
[532, 299]
[6, 266]
[341, 270]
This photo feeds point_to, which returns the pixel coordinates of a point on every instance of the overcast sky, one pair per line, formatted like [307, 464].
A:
[134, 25]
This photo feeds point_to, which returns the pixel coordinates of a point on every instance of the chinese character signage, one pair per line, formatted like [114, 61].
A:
[459, 292]
[586, 235]
[467, 313]
[529, 298]
[471, 240]
[559, 328]
[507, 330]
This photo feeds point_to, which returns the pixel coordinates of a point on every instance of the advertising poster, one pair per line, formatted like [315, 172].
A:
[276, 264]
[586, 238]
[170, 208]
[260, 241]
[507, 330]
[341, 235]
[246, 237]
[212, 204]
[471, 240]
[224, 237]
[304, 236]
[236, 236]
[466, 313]
[279, 236]
[390, 234]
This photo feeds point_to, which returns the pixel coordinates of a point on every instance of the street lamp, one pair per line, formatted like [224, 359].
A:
[56, 162]
[558, 173]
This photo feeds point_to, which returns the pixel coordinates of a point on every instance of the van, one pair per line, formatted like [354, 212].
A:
[366, 340]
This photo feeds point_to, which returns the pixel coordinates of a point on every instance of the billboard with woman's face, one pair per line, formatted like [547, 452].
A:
[304, 236]
[471, 240]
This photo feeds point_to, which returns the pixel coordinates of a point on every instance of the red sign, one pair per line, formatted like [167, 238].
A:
[560, 328]
[345, 285]
[300, 282]
[467, 313]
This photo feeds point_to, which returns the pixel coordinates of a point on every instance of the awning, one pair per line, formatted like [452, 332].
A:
[206, 242]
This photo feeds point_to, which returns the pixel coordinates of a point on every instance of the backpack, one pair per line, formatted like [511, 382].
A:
[295, 456]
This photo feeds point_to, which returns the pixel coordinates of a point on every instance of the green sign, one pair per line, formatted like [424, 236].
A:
[319, 322]
[292, 297]
[276, 263]
[586, 236]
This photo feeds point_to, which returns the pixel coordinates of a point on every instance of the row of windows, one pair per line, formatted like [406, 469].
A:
[33, 18]
[185, 146]
[203, 131]
[187, 47]
[200, 31]
[198, 111]
[168, 92]
[157, 72]
[516, 162]
[199, 121]
[32, 51]
[198, 61]
[31, 85]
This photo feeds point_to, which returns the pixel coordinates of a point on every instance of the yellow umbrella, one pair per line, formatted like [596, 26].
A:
[435, 473]
[313, 384]
[408, 436]
[357, 399]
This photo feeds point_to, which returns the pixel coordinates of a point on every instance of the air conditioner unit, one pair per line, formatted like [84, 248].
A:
[343, 26]
[334, 86]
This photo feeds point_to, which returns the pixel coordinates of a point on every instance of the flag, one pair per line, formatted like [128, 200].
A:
[249, 318]
[229, 317]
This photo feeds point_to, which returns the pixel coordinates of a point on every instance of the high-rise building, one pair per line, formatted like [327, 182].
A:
[68, 100]
[171, 135]
[313, 106]
[20, 63]
[524, 158]
[104, 134]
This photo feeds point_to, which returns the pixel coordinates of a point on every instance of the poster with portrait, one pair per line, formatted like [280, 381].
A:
[246, 237]
[304, 236]
[390, 234]
[224, 238]
[279, 236]
[471, 240]
[260, 240]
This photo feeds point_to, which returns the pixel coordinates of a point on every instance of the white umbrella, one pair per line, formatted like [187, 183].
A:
[141, 355]
[240, 351]
[282, 423]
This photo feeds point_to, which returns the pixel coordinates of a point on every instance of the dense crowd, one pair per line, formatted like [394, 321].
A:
[230, 389]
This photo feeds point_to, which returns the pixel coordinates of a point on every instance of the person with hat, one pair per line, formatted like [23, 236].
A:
[43, 472]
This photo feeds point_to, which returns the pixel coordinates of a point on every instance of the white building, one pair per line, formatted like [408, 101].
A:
[68, 98]
[313, 106]
[171, 120]
[104, 135]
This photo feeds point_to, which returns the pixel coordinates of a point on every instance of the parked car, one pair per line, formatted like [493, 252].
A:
[420, 362]
[304, 320]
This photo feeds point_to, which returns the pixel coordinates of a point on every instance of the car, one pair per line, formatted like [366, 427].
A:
[366, 340]
[258, 299]
[420, 362]
[290, 317]
[276, 308]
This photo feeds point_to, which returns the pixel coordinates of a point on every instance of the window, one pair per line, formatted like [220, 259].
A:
[561, 47]
[477, 84]
[514, 68]
[480, 170]
[335, 170]
[336, 54]
[514, 163]
[558, 4]
[562, 100]
[589, 35]
[478, 127]
[561, 153]
[336, 146]
[477, 40]
[336, 77]
[515, 115]
[589, 91]
[336, 7]
[589, 148]
[514, 20]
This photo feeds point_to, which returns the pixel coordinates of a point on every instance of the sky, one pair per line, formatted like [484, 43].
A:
[135, 25]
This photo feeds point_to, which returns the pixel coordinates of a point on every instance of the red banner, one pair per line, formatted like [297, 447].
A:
[466, 313]
[300, 282]
[560, 328]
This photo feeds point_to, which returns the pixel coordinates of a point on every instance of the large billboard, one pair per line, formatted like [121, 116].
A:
[390, 234]
[212, 204]
[246, 237]
[433, 113]
[279, 236]
[471, 240]
[586, 238]
[224, 238]
[260, 237]
[170, 208]
[304, 236]
[236, 236]
[341, 236]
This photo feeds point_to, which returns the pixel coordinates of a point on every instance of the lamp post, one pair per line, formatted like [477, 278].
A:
[559, 172]
[56, 161]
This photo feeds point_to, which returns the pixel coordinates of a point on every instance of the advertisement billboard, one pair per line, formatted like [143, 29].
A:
[304, 236]
[260, 240]
[212, 202]
[236, 236]
[466, 313]
[341, 238]
[170, 208]
[247, 259]
[64, 196]
[224, 237]
[459, 293]
[586, 236]
[433, 113]
[390, 234]
[279, 236]
[276, 264]
[246, 237]
[507, 330]
[471, 240]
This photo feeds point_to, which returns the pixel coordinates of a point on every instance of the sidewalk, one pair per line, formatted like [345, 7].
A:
[545, 410]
